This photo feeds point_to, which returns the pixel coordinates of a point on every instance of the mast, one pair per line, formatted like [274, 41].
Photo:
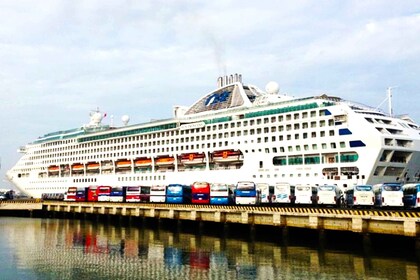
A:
[390, 101]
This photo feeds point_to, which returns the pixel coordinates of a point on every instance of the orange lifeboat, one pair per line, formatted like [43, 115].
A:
[53, 168]
[142, 162]
[77, 167]
[193, 158]
[123, 163]
[165, 160]
[227, 156]
[93, 166]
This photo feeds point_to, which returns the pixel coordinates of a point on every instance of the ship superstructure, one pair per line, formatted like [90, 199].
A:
[236, 132]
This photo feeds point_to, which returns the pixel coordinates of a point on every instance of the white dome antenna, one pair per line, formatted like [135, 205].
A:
[272, 88]
[125, 119]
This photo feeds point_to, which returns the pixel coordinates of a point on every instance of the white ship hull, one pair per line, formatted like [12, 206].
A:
[314, 140]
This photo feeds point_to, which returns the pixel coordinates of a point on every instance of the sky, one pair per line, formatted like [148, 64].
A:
[61, 59]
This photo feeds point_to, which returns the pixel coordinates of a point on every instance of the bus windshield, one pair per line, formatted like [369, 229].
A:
[303, 188]
[392, 188]
[200, 185]
[219, 188]
[245, 186]
[364, 188]
[326, 188]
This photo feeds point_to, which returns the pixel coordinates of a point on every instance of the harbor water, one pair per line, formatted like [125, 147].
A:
[40, 248]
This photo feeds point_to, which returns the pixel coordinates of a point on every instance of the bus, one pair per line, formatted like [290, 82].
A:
[104, 193]
[220, 194]
[305, 194]
[158, 194]
[200, 193]
[132, 194]
[411, 193]
[283, 193]
[266, 192]
[117, 194]
[177, 193]
[246, 193]
[360, 196]
[389, 195]
[81, 194]
[328, 195]
[71, 194]
[92, 193]
[145, 193]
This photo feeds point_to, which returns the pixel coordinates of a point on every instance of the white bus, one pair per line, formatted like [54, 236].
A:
[283, 193]
[220, 194]
[266, 192]
[158, 194]
[360, 196]
[304, 194]
[389, 195]
[329, 195]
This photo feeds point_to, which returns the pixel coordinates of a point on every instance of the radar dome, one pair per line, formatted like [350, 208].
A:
[125, 119]
[272, 88]
[95, 118]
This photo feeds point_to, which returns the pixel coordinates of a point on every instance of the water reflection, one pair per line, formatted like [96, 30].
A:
[70, 249]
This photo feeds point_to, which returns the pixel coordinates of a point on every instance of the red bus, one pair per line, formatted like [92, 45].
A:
[132, 194]
[104, 193]
[200, 193]
[92, 193]
[71, 194]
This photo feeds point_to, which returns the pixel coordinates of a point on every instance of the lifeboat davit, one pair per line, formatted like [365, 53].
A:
[227, 156]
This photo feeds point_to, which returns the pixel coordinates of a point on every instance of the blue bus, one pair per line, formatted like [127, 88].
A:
[177, 193]
[411, 195]
[246, 193]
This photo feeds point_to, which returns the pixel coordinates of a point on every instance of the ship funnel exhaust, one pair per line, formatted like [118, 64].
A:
[227, 80]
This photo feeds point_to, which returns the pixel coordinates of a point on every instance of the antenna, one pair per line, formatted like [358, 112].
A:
[389, 98]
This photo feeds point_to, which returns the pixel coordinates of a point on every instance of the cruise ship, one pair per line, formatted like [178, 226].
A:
[235, 133]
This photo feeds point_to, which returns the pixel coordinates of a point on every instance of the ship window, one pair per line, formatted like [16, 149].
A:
[313, 114]
[342, 144]
[289, 127]
[288, 117]
[296, 136]
[289, 137]
[305, 135]
[281, 138]
[281, 128]
[322, 133]
[273, 138]
[280, 118]
[313, 124]
[258, 121]
[333, 146]
[313, 134]
[273, 119]
[331, 132]
[265, 120]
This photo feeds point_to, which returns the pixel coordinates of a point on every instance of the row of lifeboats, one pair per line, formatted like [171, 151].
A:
[187, 159]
